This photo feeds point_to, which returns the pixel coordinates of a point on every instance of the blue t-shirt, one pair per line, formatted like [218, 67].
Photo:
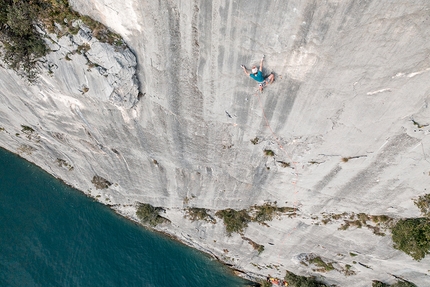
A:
[259, 77]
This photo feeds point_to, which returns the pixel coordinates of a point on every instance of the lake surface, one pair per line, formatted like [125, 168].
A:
[53, 235]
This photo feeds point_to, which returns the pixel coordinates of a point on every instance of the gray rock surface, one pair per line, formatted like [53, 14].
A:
[352, 82]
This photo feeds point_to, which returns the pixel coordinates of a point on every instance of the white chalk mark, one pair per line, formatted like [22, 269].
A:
[379, 91]
[410, 75]
[425, 156]
[398, 75]
[383, 145]
[417, 73]
[415, 147]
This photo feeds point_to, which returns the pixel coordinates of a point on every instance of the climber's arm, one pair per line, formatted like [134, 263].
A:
[245, 70]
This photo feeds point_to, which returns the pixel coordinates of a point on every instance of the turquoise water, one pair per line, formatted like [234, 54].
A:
[53, 235]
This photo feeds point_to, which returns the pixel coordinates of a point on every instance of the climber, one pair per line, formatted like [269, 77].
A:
[257, 74]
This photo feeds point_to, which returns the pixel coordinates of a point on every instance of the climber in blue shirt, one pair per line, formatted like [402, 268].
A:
[257, 74]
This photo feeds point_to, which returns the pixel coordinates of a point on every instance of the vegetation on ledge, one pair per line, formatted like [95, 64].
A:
[149, 214]
[237, 221]
[23, 44]
[377, 223]
[376, 283]
[322, 266]
[412, 236]
[423, 203]
[195, 213]
[268, 211]
[294, 280]
[234, 221]
[100, 182]
[255, 245]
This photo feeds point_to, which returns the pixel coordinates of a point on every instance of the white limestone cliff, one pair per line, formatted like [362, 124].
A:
[352, 82]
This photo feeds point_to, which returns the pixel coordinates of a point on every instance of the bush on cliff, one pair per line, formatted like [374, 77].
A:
[423, 203]
[195, 213]
[268, 211]
[149, 214]
[294, 280]
[22, 44]
[100, 182]
[234, 221]
[412, 236]
[376, 283]
[403, 284]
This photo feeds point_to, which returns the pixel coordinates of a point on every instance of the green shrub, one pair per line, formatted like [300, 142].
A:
[412, 236]
[376, 283]
[264, 212]
[380, 218]
[363, 217]
[423, 203]
[265, 283]
[294, 280]
[320, 263]
[100, 182]
[23, 45]
[269, 152]
[255, 245]
[255, 141]
[195, 213]
[63, 163]
[267, 211]
[27, 129]
[403, 284]
[260, 248]
[149, 214]
[234, 221]
[284, 164]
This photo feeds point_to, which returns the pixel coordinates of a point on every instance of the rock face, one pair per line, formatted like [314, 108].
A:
[346, 120]
[100, 70]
